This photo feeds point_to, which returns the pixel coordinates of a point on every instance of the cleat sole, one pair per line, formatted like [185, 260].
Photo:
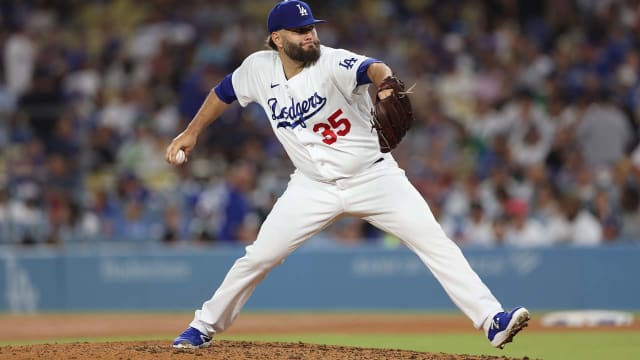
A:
[189, 346]
[521, 323]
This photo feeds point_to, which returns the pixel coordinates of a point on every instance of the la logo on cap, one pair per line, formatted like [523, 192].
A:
[303, 11]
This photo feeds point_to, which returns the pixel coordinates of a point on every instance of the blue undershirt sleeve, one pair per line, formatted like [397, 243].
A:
[361, 75]
[225, 91]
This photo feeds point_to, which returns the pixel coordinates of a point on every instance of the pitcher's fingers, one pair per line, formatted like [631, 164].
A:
[168, 155]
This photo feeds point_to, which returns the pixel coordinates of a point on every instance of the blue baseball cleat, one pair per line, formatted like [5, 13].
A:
[505, 325]
[192, 338]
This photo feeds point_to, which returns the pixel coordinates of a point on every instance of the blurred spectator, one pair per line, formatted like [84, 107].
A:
[42, 103]
[19, 60]
[348, 231]
[138, 154]
[100, 218]
[225, 207]
[524, 114]
[65, 140]
[27, 219]
[5, 229]
[237, 204]
[545, 205]
[522, 230]
[248, 230]
[634, 166]
[531, 148]
[477, 229]
[63, 220]
[214, 49]
[486, 122]
[171, 232]
[630, 207]
[610, 221]
[603, 133]
[577, 226]
[499, 230]
[134, 225]
[102, 148]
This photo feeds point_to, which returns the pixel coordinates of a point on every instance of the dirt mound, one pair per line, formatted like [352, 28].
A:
[220, 349]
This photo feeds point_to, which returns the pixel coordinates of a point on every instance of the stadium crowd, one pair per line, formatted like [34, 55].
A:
[526, 135]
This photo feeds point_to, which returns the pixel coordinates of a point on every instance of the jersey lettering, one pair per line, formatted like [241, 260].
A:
[348, 63]
[297, 112]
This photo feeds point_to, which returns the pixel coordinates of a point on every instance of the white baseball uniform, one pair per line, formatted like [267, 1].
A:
[322, 118]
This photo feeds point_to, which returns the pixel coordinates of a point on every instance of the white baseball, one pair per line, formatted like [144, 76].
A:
[180, 157]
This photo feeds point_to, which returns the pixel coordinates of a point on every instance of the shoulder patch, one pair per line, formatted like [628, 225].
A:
[348, 63]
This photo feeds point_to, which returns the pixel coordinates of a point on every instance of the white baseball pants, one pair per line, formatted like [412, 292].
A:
[381, 195]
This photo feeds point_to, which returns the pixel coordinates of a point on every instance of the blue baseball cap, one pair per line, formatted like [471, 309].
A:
[290, 14]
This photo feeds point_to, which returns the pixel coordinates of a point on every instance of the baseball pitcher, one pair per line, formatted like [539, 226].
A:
[316, 99]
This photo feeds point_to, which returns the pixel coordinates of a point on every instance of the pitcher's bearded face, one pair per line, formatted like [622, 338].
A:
[307, 54]
[303, 45]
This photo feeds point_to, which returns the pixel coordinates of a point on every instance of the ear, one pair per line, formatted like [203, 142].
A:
[277, 39]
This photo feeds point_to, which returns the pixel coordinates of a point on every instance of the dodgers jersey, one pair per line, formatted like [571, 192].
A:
[321, 116]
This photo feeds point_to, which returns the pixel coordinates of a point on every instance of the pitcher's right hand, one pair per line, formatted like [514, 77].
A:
[185, 141]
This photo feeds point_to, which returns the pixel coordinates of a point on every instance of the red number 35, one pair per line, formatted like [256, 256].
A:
[342, 127]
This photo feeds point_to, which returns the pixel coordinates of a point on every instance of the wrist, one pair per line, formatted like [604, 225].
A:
[192, 130]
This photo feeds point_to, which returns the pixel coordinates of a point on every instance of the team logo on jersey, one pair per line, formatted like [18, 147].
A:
[297, 112]
[348, 63]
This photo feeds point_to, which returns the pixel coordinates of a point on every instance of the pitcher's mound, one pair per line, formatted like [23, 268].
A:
[220, 349]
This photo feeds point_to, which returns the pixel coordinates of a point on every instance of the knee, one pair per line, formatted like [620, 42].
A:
[263, 260]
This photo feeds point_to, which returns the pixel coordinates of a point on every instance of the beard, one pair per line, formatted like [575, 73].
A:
[297, 53]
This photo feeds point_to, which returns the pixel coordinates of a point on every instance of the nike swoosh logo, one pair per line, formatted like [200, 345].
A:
[274, 85]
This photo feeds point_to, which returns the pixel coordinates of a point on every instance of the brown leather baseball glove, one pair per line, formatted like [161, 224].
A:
[393, 115]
